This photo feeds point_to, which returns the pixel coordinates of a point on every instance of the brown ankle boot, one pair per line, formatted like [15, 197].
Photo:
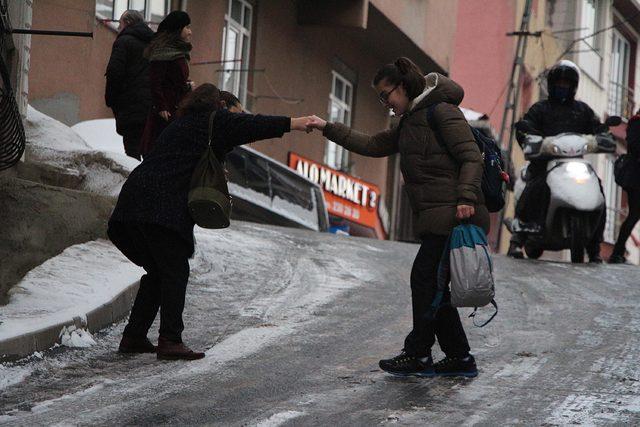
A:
[136, 345]
[171, 350]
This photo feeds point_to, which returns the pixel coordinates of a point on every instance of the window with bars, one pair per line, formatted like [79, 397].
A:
[154, 11]
[620, 94]
[340, 110]
[590, 49]
[236, 48]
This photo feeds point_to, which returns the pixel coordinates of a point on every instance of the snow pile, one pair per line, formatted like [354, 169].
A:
[52, 142]
[71, 336]
[100, 135]
[80, 279]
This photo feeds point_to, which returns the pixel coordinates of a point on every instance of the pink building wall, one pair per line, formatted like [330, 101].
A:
[483, 54]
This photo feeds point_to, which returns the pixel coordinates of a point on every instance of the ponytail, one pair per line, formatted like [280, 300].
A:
[403, 71]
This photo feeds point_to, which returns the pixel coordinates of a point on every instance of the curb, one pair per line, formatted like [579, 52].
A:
[94, 320]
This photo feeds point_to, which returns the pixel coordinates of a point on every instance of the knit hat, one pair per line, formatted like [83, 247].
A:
[174, 22]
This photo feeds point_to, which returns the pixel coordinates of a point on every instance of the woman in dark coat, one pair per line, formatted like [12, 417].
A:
[633, 192]
[442, 181]
[151, 224]
[168, 55]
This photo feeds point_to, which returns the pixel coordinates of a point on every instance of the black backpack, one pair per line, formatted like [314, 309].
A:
[494, 178]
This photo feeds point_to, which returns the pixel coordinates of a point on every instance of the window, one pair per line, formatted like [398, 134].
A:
[612, 197]
[340, 108]
[154, 11]
[620, 101]
[235, 49]
[589, 50]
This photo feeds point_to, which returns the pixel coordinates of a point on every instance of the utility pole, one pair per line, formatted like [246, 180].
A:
[513, 94]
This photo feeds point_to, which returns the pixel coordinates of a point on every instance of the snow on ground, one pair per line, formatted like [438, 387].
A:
[279, 419]
[80, 279]
[97, 159]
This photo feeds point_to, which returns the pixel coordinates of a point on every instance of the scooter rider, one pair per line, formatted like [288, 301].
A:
[561, 112]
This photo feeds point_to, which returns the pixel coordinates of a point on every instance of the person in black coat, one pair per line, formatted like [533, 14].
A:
[561, 112]
[633, 191]
[128, 91]
[151, 223]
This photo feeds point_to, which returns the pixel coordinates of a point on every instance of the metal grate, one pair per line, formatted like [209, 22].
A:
[12, 137]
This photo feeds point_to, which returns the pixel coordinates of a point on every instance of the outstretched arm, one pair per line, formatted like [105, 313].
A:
[239, 128]
[381, 144]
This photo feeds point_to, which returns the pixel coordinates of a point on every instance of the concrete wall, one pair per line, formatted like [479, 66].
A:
[20, 14]
[67, 73]
[431, 24]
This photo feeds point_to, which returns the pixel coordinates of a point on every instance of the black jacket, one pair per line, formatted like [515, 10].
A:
[633, 137]
[128, 91]
[552, 118]
[156, 192]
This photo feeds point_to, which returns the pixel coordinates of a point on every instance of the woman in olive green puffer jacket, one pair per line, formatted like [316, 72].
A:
[442, 180]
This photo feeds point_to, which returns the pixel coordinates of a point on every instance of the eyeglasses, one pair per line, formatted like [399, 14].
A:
[383, 97]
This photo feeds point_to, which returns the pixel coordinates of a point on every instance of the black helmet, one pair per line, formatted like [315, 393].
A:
[563, 70]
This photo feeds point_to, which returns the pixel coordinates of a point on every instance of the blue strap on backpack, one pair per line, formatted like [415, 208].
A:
[493, 175]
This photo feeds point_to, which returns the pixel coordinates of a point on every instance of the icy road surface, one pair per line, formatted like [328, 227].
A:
[295, 322]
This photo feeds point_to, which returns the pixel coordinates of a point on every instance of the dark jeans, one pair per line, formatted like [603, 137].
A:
[165, 257]
[633, 196]
[534, 202]
[131, 139]
[446, 325]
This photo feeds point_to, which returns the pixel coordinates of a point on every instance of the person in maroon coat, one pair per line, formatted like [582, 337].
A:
[168, 55]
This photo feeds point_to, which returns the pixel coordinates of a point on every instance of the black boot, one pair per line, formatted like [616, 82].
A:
[617, 259]
[515, 251]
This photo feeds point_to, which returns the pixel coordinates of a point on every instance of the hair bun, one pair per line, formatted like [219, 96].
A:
[403, 65]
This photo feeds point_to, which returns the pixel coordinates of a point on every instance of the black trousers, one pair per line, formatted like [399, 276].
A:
[446, 325]
[633, 196]
[165, 257]
[132, 138]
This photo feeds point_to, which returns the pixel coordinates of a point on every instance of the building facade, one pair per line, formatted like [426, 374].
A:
[289, 57]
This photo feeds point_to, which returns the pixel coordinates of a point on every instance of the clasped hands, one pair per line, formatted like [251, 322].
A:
[308, 123]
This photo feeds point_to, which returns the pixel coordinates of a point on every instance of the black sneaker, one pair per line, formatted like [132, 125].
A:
[405, 365]
[515, 251]
[456, 367]
[617, 259]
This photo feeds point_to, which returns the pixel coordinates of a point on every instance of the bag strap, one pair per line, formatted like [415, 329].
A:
[475, 311]
[211, 117]
[433, 125]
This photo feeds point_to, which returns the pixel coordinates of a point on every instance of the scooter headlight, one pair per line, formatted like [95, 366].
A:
[577, 171]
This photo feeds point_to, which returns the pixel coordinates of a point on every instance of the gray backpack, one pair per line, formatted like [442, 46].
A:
[466, 261]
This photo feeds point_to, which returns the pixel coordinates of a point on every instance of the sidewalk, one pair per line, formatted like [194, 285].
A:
[63, 301]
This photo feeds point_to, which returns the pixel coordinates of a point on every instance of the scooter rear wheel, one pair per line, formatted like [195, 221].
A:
[578, 239]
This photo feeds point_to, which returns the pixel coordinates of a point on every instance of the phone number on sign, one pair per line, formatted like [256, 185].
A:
[340, 209]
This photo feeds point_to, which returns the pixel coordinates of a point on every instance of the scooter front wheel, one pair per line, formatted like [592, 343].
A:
[578, 238]
[533, 252]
